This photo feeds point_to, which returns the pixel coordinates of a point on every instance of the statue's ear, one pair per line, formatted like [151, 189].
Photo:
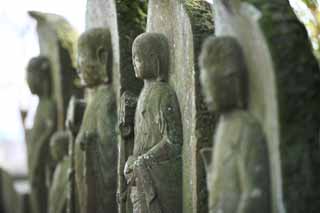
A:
[102, 55]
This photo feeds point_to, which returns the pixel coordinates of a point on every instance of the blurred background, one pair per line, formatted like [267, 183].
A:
[19, 42]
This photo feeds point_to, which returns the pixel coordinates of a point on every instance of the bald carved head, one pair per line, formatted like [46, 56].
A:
[223, 74]
[150, 55]
[39, 76]
[95, 57]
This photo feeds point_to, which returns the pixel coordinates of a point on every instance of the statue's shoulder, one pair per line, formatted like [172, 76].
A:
[166, 91]
[252, 134]
[247, 119]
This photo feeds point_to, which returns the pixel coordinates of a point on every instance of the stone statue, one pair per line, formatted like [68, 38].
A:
[154, 170]
[239, 175]
[59, 189]
[96, 143]
[74, 118]
[40, 83]
[128, 105]
[62, 190]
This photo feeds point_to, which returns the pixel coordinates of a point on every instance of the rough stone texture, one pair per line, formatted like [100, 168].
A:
[40, 82]
[186, 24]
[125, 19]
[57, 39]
[284, 83]
[9, 199]
[239, 173]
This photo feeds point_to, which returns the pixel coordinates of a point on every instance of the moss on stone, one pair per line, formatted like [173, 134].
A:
[298, 85]
[132, 19]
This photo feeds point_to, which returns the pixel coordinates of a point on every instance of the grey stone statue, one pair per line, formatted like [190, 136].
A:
[40, 83]
[96, 143]
[74, 118]
[239, 175]
[59, 189]
[153, 172]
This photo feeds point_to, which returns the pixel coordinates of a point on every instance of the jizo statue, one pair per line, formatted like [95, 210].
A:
[96, 143]
[40, 83]
[60, 187]
[74, 118]
[239, 174]
[153, 172]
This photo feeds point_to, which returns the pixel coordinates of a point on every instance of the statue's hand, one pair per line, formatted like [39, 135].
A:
[88, 139]
[128, 169]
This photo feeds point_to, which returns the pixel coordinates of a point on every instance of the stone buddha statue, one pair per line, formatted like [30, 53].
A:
[154, 171]
[59, 189]
[96, 142]
[40, 83]
[239, 175]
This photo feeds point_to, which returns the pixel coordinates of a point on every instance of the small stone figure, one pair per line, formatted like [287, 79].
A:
[96, 143]
[74, 118]
[239, 175]
[154, 170]
[40, 83]
[128, 105]
[59, 189]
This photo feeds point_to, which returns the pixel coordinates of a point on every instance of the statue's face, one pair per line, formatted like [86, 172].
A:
[93, 65]
[209, 88]
[145, 68]
[37, 78]
[221, 89]
[138, 66]
[34, 82]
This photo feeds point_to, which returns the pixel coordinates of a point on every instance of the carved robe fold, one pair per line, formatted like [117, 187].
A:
[158, 135]
[239, 177]
[58, 194]
[38, 153]
[96, 164]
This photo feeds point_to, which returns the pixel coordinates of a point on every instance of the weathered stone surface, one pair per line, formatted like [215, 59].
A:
[59, 189]
[126, 19]
[239, 174]
[154, 170]
[45, 123]
[186, 24]
[57, 40]
[283, 94]
[96, 142]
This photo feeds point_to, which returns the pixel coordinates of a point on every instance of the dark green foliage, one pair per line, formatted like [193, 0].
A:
[132, 19]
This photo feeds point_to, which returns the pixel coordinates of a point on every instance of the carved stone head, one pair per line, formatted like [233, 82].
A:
[59, 145]
[223, 74]
[39, 75]
[95, 57]
[150, 55]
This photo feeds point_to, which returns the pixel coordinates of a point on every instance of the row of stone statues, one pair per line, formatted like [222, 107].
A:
[80, 174]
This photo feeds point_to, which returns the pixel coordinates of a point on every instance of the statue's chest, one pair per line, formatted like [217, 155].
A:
[148, 110]
[226, 150]
[42, 119]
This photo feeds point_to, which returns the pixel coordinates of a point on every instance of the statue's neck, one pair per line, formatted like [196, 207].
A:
[99, 88]
[44, 96]
[226, 115]
[150, 82]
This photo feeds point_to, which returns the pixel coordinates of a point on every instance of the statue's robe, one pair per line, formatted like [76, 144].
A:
[59, 190]
[38, 153]
[239, 176]
[96, 165]
[158, 134]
